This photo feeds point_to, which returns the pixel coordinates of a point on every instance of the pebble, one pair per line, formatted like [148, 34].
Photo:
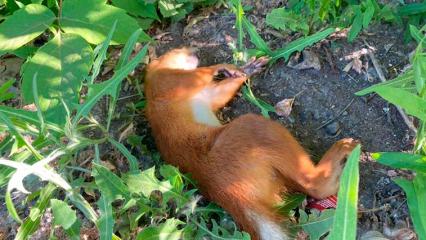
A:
[332, 128]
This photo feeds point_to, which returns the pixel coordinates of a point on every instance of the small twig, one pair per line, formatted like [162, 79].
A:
[382, 78]
[384, 207]
[337, 116]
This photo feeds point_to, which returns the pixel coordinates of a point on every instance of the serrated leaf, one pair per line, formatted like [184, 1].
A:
[283, 19]
[409, 161]
[317, 223]
[127, 49]
[63, 215]
[168, 230]
[111, 186]
[106, 221]
[300, 44]
[23, 26]
[146, 182]
[345, 219]
[137, 8]
[101, 54]
[109, 87]
[60, 65]
[93, 20]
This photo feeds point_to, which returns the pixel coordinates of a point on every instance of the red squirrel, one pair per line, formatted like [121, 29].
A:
[246, 166]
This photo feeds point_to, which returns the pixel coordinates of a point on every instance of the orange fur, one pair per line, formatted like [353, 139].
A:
[245, 166]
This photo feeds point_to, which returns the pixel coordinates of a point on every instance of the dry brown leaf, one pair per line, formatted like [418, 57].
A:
[126, 132]
[310, 60]
[284, 107]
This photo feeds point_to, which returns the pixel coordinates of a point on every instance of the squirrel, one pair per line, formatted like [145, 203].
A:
[246, 166]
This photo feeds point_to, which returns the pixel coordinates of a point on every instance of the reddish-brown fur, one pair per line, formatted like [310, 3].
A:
[247, 165]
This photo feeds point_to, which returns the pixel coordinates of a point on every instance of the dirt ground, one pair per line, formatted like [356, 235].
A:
[323, 95]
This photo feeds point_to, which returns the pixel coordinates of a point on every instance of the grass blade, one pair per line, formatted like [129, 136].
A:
[300, 44]
[414, 162]
[344, 225]
[255, 38]
[101, 51]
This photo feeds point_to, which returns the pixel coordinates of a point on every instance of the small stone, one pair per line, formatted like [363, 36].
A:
[332, 128]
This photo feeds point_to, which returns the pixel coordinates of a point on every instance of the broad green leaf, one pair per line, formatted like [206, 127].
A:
[23, 26]
[416, 194]
[168, 230]
[345, 219]
[283, 19]
[111, 186]
[138, 8]
[169, 8]
[93, 20]
[32, 223]
[255, 38]
[25, 51]
[60, 65]
[109, 87]
[106, 221]
[133, 161]
[412, 104]
[356, 25]
[409, 161]
[317, 223]
[63, 215]
[300, 44]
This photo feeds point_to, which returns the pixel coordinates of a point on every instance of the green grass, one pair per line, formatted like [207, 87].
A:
[158, 202]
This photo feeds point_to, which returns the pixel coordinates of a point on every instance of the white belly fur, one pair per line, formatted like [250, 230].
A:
[201, 111]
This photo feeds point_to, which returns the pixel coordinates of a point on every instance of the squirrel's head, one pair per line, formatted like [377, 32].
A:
[180, 58]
